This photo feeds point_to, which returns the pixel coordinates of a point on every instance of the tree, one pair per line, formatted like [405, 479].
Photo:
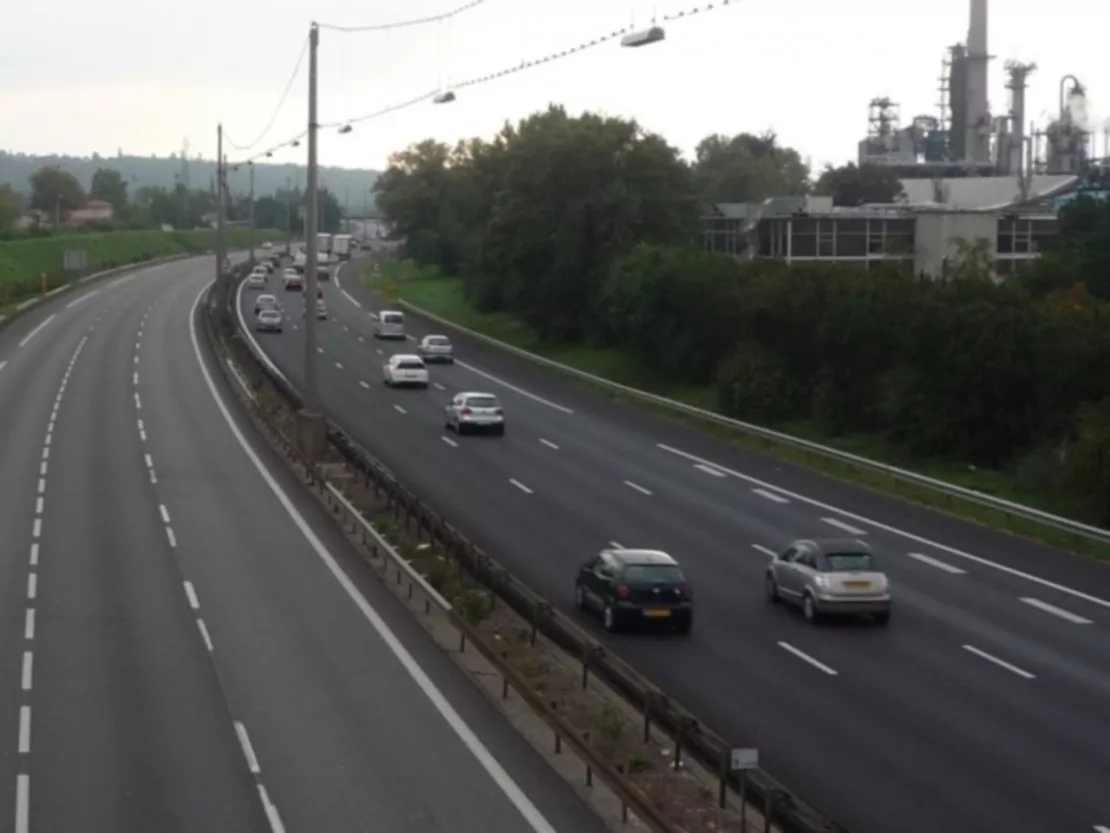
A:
[109, 185]
[53, 190]
[747, 168]
[1080, 253]
[11, 208]
[850, 185]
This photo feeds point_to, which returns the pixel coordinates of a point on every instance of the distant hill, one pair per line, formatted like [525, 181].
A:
[154, 171]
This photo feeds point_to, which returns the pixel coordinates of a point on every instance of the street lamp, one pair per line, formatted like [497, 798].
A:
[444, 98]
[644, 37]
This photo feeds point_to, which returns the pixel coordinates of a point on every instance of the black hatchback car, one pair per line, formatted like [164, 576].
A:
[635, 587]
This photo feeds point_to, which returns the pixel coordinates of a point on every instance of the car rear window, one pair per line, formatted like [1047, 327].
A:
[481, 401]
[392, 318]
[410, 365]
[840, 562]
[653, 574]
[438, 341]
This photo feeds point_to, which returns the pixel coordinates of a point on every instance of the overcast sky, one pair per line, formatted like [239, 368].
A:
[79, 77]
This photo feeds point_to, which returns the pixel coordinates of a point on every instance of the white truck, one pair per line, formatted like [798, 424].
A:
[323, 247]
[341, 246]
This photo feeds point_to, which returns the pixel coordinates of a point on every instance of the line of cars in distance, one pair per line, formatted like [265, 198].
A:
[268, 314]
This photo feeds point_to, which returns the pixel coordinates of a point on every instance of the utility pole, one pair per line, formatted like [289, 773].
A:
[313, 434]
[251, 165]
[288, 215]
[221, 253]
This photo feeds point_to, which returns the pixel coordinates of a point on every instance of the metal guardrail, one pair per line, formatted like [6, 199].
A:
[778, 805]
[1006, 507]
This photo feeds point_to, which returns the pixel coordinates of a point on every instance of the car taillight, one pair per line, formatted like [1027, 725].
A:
[623, 591]
[466, 410]
[498, 411]
[688, 593]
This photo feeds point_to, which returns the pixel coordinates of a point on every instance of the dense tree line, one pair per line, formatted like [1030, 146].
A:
[585, 228]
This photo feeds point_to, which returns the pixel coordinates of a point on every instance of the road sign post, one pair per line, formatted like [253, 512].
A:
[738, 760]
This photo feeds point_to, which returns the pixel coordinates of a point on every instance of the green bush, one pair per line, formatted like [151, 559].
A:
[22, 262]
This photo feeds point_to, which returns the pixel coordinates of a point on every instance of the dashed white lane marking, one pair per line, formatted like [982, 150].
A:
[165, 513]
[450, 442]
[22, 803]
[169, 535]
[248, 750]
[3, 365]
[32, 585]
[36, 331]
[191, 593]
[319, 349]
[203, 628]
[399, 409]
[28, 674]
[360, 338]
[338, 366]
[935, 562]
[29, 624]
[135, 378]
[802, 655]
[43, 468]
[531, 814]
[1056, 611]
[46, 454]
[381, 352]
[617, 545]
[24, 730]
[637, 487]
[549, 444]
[999, 662]
[764, 550]
[520, 486]
[1101, 829]
[348, 296]
[138, 403]
[34, 555]
[39, 503]
[771, 496]
[36, 529]
[365, 385]
[272, 814]
[49, 439]
[149, 461]
[82, 299]
[851, 530]
[42, 485]
[710, 470]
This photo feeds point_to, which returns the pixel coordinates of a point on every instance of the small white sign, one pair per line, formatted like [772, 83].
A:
[745, 759]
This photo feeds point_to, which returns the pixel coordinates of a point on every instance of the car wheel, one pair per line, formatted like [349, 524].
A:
[609, 619]
[459, 429]
[579, 597]
[882, 618]
[772, 588]
[447, 425]
[809, 609]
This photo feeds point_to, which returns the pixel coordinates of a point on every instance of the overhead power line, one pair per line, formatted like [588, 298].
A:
[280, 104]
[404, 24]
[524, 65]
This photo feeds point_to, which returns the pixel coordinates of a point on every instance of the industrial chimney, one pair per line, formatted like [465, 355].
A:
[978, 126]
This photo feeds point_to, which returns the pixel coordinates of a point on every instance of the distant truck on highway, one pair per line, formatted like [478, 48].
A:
[323, 245]
[341, 246]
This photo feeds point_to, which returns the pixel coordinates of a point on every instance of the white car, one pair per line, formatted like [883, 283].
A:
[475, 411]
[436, 349]
[266, 244]
[293, 281]
[404, 369]
[269, 320]
[265, 302]
[257, 280]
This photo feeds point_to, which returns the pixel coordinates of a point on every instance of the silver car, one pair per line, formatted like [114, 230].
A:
[836, 576]
[477, 412]
[436, 349]
[390, 324]
[257, 280]
[265, 302]
[268, 321]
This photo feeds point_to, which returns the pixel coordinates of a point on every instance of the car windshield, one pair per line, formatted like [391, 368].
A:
[410, 364]
[653, 574]
[481, 401]
[846, 562]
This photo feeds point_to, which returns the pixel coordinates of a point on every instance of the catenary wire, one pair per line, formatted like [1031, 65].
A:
[280, 104]
[404, 24]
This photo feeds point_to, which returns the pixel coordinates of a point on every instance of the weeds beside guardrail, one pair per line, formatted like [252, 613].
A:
[1007, 508]
[657, 710]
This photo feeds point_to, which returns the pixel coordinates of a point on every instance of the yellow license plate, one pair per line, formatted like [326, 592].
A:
[857, 585]
[657, 613]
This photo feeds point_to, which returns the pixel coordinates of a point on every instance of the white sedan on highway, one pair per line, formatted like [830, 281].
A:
[475, 412]
[257, 280]
[404, 369]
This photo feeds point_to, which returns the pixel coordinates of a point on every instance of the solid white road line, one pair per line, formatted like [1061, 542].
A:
[521, 486]
[549, 444]
[36, 331]
[776, 498]
[450, 442]
[248, 750]
[121, 281]
[191, 592]
[617, 545]
[493, 768]
[514, 388]
[29, 624]
[851, 530]
[999, 662]
[710, 470]
[22, 802]
[203, 628]
[24, 730]
[807, 658]
[909, 536]
[933, 562]
[82, 299]
[28, 674]
[1056, 611]
[765, 550]
[637, 487]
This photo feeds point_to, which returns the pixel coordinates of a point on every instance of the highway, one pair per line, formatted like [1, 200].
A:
[187, 642]
[981, 707]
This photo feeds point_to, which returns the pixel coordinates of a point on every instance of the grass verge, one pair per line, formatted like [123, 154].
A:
[443, 296]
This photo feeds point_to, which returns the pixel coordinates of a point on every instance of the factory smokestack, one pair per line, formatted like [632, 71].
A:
[978, 124]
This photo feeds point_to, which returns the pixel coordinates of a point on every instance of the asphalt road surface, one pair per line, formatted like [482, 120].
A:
[186, 641]
[983, 705]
